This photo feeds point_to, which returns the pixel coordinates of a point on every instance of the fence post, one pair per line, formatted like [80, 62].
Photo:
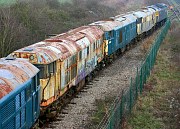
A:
[130, 93]
[141, 81]
[121, 106]
[137, 82]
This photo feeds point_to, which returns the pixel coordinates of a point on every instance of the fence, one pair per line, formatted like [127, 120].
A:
[125, 102]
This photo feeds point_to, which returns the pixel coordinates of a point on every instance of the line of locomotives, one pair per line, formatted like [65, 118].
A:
[40, 75]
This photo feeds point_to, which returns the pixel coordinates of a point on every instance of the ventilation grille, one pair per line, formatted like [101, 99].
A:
[10, 125]
[8, 110]
[18, 124]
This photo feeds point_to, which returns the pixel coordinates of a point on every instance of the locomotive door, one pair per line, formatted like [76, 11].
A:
[125, 36]
[111, 43]
[128, 34]
[29, 107]
[35, 98]
[117, 37]
[35, 106]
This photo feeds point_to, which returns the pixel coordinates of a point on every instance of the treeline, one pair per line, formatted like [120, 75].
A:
[29, 21]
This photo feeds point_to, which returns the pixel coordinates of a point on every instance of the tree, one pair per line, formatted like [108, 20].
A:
[8, 31]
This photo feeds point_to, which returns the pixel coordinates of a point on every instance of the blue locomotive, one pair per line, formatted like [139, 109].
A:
[19, 94]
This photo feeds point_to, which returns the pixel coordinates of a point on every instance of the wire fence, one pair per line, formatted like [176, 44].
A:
[125, 101]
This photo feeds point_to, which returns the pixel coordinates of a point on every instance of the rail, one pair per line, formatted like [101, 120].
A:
[125, 101]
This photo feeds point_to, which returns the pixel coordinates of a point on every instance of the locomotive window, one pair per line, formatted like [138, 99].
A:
[87, 50]
[34, 83]
[43, 71]
[74, 72]
[144, 20]
[67, 64]
[80, 55]
[97, 44]
[110, 34]
[67, 77]
[106, 35]
[54, 67]
[101, 41]
[73, 59]
[120, 36]
[51, 68]
[38, 81]
[94, 46]
[28, 93]
[139, 20]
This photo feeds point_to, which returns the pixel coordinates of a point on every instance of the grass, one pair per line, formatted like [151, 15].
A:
[7, 2]
[103, 107]
[65, 1]
[160, 107]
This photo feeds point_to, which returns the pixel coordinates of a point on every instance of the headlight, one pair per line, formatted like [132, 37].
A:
[14, 55]
[31, 57]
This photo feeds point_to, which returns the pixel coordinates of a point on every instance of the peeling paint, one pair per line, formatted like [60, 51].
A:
[14, 73]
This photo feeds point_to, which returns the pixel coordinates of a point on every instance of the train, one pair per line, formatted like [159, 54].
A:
[36, 79]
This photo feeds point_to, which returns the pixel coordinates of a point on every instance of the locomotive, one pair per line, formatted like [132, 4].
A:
[19, 94]
[34, 78]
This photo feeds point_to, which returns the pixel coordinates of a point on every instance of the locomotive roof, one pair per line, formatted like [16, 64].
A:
[14, 73]
[147, 11]
[151, 9]
[107, 25]
[161, 5]
[61, 46]
[154, 7]
[140, 14]
[125, 19]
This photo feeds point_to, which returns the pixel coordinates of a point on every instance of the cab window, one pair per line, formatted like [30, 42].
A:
[110, 34]
[52, 67]
[44, 72]
[139, 20]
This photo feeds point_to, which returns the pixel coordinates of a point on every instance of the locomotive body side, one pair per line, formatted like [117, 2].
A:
[64, 60]
[19, 94]
[111, 35]
[126, 33]
[162, 12]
